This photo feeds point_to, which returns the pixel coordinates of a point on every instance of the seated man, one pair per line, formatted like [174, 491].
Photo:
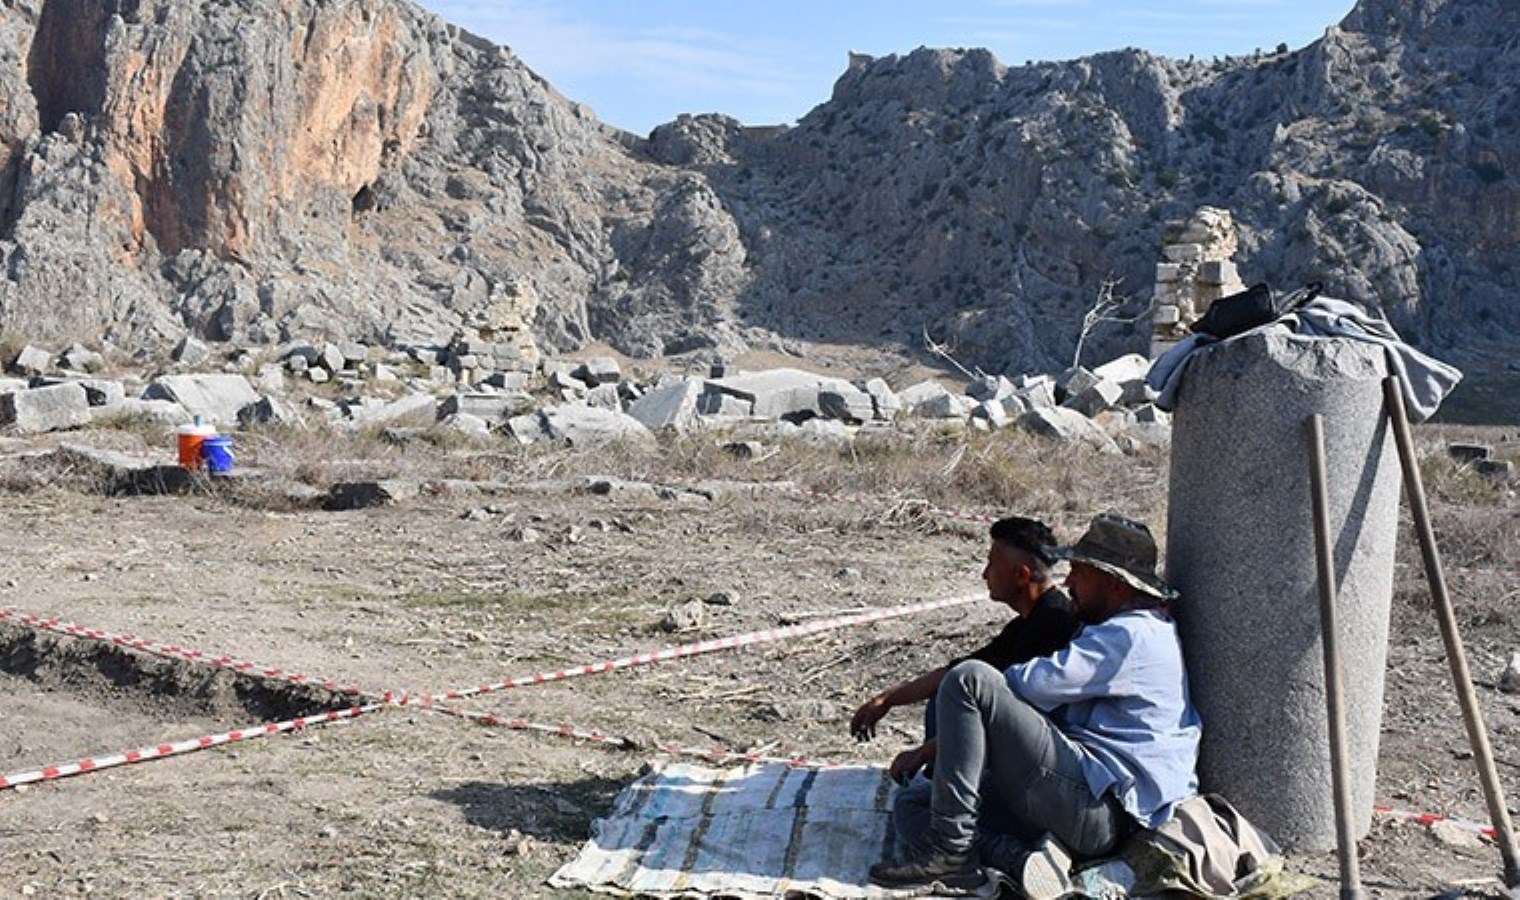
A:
[1071, 751]
[1018, 575]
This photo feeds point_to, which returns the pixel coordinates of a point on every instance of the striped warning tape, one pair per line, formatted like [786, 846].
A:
[710, 754]
[840, 497]
[163, 751]
[1428, 819]
[176, 652]
[429, 701]
[697, 649]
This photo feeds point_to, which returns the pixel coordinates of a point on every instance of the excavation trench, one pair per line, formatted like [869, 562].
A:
[63, 698]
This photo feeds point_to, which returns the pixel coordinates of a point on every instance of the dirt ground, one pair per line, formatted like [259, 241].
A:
[456, 589]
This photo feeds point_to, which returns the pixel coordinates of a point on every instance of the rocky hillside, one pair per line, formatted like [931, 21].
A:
[307, 169]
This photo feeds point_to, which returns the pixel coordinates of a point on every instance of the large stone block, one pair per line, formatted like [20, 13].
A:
[52, 408]
[216, 398]
[1240, 548]
[587, 427]
[1069, 427]
[670, 404]
[772, 394]
[847, 404]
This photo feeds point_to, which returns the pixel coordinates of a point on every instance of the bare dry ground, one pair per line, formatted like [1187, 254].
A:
[460, 588]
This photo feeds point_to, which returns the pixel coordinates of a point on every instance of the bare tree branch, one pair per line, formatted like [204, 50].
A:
[1106, 309]
[943, 352]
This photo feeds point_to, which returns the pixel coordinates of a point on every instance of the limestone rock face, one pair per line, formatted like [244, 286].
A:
[322, 170]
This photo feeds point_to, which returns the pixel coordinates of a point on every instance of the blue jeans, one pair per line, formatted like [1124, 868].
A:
[1003, 773]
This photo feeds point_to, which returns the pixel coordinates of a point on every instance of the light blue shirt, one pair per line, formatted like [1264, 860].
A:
[1119, 691]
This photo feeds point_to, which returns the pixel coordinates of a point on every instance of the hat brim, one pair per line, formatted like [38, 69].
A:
[1153, 587]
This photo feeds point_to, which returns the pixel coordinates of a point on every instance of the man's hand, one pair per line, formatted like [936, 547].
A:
[908, 763]
[863, 723]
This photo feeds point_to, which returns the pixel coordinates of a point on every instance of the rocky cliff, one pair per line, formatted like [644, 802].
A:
[294, 169]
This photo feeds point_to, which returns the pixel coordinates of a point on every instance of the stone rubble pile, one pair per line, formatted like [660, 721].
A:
[489, 381]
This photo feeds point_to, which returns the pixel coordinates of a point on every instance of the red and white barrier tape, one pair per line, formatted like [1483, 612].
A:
[688, 650]
[162, 751]
[1428, 819]
[712, 755]
[816, 494]
[173, 651]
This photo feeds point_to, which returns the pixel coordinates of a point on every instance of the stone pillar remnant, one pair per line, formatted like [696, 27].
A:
[1194, 271]
[1240, 548]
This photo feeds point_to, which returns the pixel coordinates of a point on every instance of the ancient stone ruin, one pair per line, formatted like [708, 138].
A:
[1196, 269]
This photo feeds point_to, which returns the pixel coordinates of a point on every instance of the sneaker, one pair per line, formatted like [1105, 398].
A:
[938, 871]
[1045, 872]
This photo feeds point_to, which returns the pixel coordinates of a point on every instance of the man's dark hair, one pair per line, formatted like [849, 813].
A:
[1029, 535]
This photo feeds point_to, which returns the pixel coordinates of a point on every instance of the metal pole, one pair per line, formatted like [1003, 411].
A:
[1456, 656]
[1335, 707]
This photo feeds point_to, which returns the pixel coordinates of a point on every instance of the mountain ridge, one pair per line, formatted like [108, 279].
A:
[257, 173]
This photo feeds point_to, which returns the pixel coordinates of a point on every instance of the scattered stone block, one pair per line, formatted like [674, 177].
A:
[39, 410]
[492, 407]
[507, 381]
[331, 358]
[604, 396]
[32, 361]
[599, 370]
[1509, 681]
[992, 387]
[1037, 395]
[384, 374]
[772, 394]
[1469, 452]
[465, 423]
[80, 358]
[1096, 397]
[1074, 381]
[687, 616]
[670, 404]
[297, 364]
[916, 395]
[527, 428]
[829, 434]
[422, 407]
[190, 352]
[350, 495]
[353, 354]
[585, 427]
[846, 404]
[885, 404]
[164, 412]
[944, 406]
[268, 411]
[1125, 368]
[216, 398]
[993, 413]
[1069, 427]
[1500, 469]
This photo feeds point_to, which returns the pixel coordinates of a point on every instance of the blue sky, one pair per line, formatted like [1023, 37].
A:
[638, 63]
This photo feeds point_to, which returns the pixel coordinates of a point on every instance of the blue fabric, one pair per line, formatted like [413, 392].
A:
[1120, 692]
[1423, 380]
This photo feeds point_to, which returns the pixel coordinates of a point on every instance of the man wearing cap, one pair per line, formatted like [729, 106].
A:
[1019, 575]
[1071, 751]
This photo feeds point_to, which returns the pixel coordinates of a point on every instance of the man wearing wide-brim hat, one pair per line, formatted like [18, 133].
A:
[1076, 750]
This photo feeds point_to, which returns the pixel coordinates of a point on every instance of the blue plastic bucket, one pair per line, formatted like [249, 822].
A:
[216, 450]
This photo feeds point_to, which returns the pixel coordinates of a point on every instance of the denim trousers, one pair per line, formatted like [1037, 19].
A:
[1004, 776]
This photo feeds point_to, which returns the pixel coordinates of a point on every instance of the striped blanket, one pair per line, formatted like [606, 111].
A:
[753, 831]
